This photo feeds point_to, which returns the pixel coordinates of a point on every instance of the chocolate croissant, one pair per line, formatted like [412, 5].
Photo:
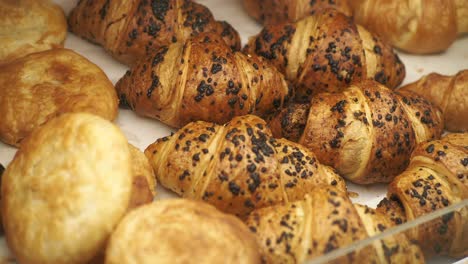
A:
[202, 79]
[131, 30]
[279, 11]
[327, 52]
[324, 221]
[237, 167]
[436, 178]
[367, 132]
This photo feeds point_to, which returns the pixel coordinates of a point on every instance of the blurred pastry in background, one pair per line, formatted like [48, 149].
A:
[28, 26]
[414, 26]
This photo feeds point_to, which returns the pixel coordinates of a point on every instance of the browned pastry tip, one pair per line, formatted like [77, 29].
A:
[237, 167]
[449, 93]
[295, 232]
[181, 231]
[327, 52]
[414, 26]
[436, 178]
[279, 11]
[367, 132]
[144, 181]
[131, 30]
[202, 79]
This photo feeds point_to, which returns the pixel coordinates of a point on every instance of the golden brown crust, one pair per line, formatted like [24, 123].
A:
[181, 231]
[202, 79]
[41, 86]
[416, 26]
[131, 30]
[436, 178]
[295, 232]
[28, 26]
[367, 132]
[66, 189]
[280, 11]
[327, 52]
[449, 93]
[237, 167]
[144, 181]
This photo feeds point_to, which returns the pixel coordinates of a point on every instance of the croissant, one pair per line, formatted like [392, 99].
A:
[449, 93]
[327, 52]
[202, 79]
[295, 232]
[237, 167]
[130, 30]
[436, 177]
[280, 11]
[427, 26]
[181, 231]
[367, 132]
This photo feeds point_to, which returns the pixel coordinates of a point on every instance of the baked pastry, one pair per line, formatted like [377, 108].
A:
[327, 52]
[202, 79]
[181, 231]
[367, 132]
[237, 167]
[28, 26]
[324, 221]
[66, 189]
[450, 93]
[421, 27]
[144, 181]
[436, 178]
[131, 30]
[280, 11]
[40, 86]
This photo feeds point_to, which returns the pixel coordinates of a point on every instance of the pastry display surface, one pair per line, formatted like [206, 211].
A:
[141, 132]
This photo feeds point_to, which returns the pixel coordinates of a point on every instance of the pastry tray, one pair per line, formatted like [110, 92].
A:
[141, 132]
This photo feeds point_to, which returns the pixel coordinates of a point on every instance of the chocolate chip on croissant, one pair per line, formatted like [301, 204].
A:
[237, 167]
[367, 132]
[327, 52]
[202, 79]
[130, 30]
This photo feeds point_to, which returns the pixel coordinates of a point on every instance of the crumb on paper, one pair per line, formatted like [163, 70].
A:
[419, 70]
[353, 194]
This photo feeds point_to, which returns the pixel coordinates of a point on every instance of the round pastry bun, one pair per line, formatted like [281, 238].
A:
[66, 189]
[42, 85]
[181, 231]
[28, 26]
